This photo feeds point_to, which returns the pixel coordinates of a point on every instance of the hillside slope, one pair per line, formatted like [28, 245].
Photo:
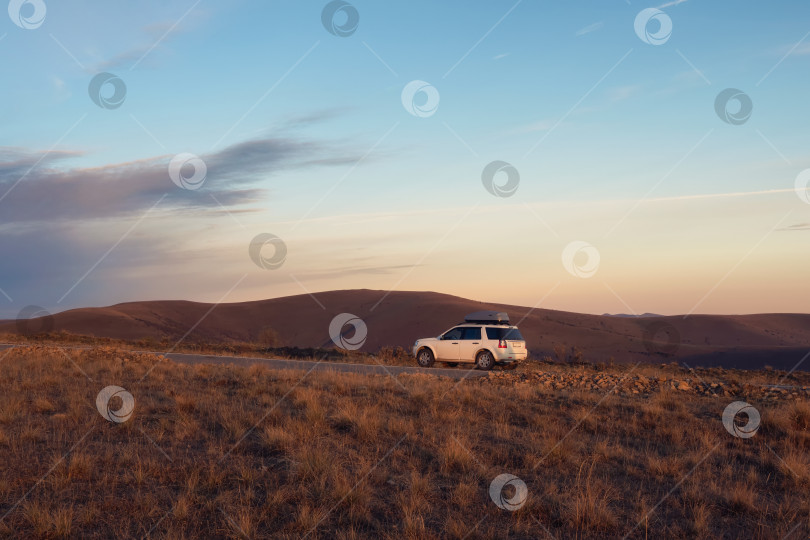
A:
[780, 340]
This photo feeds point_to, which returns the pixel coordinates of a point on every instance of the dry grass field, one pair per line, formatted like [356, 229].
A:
[221, 451]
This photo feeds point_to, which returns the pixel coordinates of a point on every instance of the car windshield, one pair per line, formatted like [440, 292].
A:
[511, 334]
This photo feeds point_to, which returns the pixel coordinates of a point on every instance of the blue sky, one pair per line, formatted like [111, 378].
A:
[305, 136]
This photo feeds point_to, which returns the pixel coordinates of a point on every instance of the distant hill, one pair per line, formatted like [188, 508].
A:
[631, 315]
[744, 341]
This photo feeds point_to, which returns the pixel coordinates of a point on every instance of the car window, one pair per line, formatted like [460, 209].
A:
[471, 333]
[512, 334]
[455, 333]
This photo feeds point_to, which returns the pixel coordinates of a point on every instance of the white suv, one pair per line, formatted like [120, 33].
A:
[485, 338]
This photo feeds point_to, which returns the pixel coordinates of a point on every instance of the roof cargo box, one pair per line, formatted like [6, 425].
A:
[487, 317]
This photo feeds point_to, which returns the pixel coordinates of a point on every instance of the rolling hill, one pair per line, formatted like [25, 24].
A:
[742, 341]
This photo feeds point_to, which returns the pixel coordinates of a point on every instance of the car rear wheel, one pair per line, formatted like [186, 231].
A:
[484, 360]
[425, 358]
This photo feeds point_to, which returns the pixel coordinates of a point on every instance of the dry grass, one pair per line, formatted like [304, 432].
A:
[219, 451]
[396, 356]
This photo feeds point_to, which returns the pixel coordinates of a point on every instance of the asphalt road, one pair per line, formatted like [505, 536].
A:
[460, 372]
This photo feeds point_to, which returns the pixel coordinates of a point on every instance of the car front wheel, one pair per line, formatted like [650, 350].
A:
[484, 360]
[425, 358]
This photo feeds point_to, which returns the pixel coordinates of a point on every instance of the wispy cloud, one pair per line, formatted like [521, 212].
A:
[162, 32]
[796, 227]
[312, 118]
[620, 93]
[53, 191]
[801, 50]
[722, 195]
[672, 3]
[590, 28]
[342, 272]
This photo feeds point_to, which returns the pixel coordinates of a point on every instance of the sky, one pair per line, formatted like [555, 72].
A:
[600, 157]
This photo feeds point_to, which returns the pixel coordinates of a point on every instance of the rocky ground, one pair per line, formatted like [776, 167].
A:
[648, 380]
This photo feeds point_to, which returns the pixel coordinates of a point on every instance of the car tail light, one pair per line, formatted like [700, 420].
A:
[501, 343]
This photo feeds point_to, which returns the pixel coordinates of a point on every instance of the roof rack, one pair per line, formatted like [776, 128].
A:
[487, 317]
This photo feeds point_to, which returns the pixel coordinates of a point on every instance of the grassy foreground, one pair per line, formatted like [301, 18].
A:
[220, 451]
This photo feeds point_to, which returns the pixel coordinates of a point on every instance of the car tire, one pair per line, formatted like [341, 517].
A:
[484, 360]
[425, 358]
